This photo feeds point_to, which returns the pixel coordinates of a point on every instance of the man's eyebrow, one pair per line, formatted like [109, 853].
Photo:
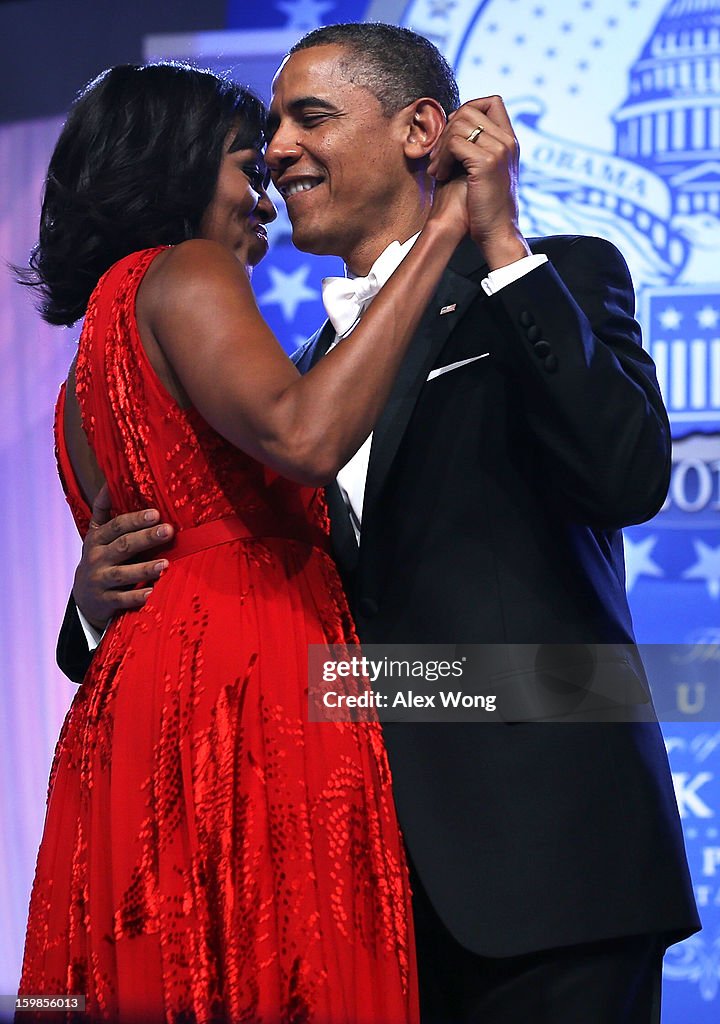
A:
[297, 106]
[311, 101]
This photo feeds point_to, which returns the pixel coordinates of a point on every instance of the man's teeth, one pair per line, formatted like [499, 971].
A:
[299, 186]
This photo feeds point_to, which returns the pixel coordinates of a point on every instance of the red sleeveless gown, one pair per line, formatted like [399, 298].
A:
[209, 855]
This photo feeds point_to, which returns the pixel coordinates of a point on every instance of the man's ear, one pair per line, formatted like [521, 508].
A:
[425, 121]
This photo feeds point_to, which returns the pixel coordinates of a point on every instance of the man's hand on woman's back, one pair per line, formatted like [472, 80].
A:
[111, 576]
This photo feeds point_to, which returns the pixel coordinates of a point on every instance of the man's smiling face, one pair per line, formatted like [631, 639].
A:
[335, 157]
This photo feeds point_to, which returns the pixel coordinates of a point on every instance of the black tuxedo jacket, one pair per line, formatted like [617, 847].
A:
[494, 499]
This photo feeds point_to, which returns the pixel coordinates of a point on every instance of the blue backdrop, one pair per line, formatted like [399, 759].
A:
[617, 107]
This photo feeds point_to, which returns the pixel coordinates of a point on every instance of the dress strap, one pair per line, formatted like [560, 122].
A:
[222, 531]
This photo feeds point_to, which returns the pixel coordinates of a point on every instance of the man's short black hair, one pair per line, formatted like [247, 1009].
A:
[396, 65]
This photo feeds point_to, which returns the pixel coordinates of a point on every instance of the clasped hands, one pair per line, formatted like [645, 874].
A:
[480, 139]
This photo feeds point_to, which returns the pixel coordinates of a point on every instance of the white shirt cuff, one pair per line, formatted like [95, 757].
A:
[503, 276]
[92, 635]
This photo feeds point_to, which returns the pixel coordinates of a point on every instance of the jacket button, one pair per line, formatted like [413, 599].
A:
[534, 333]
[551, 364]
[368, 607]
[542, 348]
[526, 319]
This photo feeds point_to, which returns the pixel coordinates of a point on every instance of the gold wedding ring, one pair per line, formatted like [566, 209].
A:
[475, 134]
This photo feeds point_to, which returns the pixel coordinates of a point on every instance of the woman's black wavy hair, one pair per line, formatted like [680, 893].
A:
[135, 166]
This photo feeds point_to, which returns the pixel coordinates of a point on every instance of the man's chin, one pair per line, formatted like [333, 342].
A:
[310, 240]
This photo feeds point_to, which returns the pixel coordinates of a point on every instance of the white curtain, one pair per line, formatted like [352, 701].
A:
[38, 543]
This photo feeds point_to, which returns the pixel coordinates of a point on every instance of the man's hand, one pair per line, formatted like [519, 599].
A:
[479, 137]
[108, 573]
[450, 204]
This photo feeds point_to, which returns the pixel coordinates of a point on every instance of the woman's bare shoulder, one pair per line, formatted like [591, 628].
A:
[191, 273]
[198, 259]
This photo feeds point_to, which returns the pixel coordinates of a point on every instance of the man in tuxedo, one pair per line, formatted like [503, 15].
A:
[524, 430]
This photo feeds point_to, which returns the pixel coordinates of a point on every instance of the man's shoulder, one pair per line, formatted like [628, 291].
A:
[468, 259]
[559, 246]
[302, 352]
[302, 356]
[584, 257]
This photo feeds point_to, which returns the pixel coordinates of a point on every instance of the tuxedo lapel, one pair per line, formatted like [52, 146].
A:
[345, 547]
[454, 291]
[344, 544]
[314, 348]
[458, 287]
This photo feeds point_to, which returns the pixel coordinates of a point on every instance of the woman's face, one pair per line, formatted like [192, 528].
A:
[240, 209]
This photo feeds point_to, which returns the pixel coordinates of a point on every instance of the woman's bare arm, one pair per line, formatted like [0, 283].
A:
[200, 309]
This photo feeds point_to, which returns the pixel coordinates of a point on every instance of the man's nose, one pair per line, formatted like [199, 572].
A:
[282, 149]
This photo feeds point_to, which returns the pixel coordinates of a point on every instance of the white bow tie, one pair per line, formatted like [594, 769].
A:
[345, 299]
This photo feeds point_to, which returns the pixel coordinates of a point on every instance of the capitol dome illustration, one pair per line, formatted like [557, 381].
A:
[670, 121]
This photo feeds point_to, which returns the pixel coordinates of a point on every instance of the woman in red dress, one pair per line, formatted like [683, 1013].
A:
[209, 855]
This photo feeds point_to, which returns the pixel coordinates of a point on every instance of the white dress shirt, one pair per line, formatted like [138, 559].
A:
[351, 478]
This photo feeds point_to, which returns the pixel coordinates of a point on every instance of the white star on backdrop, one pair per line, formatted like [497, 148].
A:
[289, 289]
[708, 316]
[304, 14]
[706, 568]
[670, 318]
[638, 561]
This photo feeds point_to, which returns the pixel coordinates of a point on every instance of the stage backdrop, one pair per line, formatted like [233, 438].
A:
[617, 107]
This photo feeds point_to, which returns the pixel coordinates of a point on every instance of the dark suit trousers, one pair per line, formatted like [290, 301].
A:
[613, 982]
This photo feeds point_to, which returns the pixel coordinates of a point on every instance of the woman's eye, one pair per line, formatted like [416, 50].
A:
[253, 175]
[258, 183]
[258, 179]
